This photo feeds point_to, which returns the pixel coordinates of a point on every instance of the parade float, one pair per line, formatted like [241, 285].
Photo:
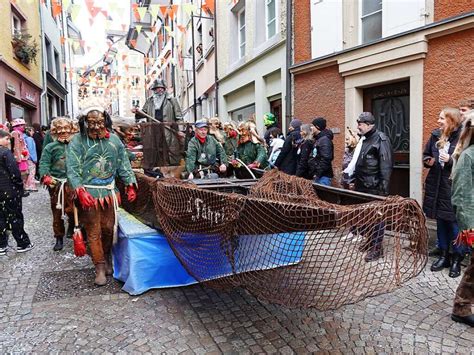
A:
[281, 238]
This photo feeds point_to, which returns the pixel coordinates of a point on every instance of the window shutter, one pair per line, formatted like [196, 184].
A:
[402, 15]
[326, 27]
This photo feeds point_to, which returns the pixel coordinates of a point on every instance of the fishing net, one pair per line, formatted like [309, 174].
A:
[285, 245]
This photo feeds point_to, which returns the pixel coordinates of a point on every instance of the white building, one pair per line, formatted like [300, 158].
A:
[251, 59]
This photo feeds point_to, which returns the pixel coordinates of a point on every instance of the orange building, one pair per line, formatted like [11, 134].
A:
[402, 60]
[20, 61]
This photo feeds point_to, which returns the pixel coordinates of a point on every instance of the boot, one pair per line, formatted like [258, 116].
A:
[70, 230]
[455, 269]
[469, 320]
[109, 270]
[100, 279]
[442, 262]
[59, 244]
[374, 254]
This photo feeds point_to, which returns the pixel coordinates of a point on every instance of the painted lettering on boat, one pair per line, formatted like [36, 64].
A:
[200, 210]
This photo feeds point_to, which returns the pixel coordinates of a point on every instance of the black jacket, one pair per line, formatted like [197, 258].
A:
[286, 160]
[374, 165]
[437, 200]
[320, 162]
[302, 158]
[11, 185]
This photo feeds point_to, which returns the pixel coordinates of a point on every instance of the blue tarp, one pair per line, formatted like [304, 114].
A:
[143, 259]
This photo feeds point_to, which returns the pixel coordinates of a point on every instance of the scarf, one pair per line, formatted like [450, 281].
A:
[201, 139]
[352, 165]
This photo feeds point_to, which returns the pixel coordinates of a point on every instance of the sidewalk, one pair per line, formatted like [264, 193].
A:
[48, 304]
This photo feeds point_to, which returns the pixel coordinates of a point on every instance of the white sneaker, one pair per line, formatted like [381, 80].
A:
[25, 249]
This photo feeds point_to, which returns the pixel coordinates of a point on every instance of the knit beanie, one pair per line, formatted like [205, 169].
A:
[319, 123]
[295, 123]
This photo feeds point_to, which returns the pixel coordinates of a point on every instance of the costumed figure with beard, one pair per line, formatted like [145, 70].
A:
[52, 171]
[164, 108]
[95, 158]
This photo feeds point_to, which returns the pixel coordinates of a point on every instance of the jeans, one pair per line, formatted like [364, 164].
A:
[11, 217]
[323, 180]
[447, 232]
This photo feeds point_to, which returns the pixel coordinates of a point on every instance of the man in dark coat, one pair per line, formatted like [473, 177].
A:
[320, 162]
[287, 159]
[371, 167]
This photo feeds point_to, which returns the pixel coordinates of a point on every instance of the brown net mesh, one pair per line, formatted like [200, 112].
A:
[283, 244]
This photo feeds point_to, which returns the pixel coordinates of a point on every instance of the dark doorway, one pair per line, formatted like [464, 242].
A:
[275, 108]
[390, 105]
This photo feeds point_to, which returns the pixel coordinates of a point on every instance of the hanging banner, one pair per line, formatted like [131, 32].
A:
[154, 8]
[139, 28]
[141, 12]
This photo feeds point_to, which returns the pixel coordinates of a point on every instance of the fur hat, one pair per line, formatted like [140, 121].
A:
[92, 104]
[366, 117]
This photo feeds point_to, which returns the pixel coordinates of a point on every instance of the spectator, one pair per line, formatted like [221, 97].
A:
[465, 106]
[276, 144]
[38, 137]
[304, 151]
[286, 160]
[19, 148]
[371, 167]
[270, 122]
[11, 191]
[320, 163]
[463, 201]
[351, 141]
[437, 157]
[30, 183]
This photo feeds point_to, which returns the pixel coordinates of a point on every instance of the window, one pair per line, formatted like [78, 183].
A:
[371, 20]
[16, 25]
[270, 17]
[135, 102]
[49, 62]
[58, 65]
[241, 27]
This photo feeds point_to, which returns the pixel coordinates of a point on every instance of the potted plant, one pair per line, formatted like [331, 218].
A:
[24, 48]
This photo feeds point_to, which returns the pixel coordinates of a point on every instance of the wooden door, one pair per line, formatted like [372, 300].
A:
[390, 104]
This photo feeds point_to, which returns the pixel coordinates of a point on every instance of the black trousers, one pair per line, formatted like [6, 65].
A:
[11, 218]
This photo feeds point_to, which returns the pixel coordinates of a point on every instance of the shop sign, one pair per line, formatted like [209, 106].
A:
[10, 88]
[28, 95]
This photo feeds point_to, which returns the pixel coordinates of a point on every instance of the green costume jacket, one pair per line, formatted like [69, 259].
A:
[97, 162]
[53, 160]
[230, 145]
[250, 152]
[209, 153]
[463, 189]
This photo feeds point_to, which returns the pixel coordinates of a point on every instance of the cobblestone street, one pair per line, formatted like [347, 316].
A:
[48, 304]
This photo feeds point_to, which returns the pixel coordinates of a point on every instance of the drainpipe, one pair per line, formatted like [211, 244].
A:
[45, 88]
[216, 78]
[194, 67]
[289, 59]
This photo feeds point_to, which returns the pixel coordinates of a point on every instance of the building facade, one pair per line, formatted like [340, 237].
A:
[251, 60]
[402, 60]
[54, 100]
[20, 61]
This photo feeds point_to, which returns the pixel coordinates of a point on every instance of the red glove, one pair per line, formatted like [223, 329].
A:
[24, 153]
[85, 198]
[253, 165]
[47, 180]
[131, 192]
